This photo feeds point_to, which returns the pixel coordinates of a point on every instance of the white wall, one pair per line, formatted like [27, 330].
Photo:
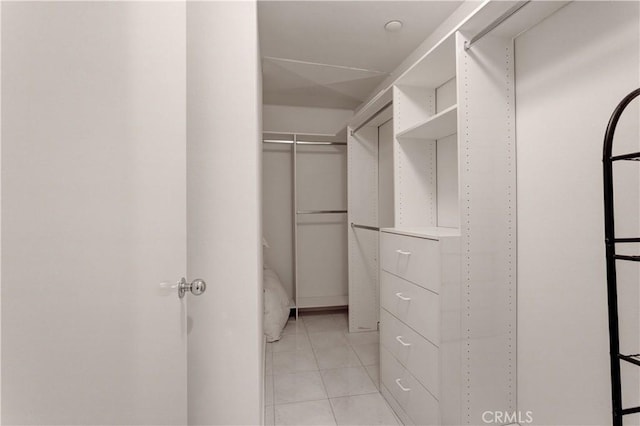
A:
[224, 214]
[447, 182]
[277, 211]
[0, 212]
[93, 212]
[304, 120]
[386, 209]
[571, 71]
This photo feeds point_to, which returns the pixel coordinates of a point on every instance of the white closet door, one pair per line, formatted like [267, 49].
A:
[93, 212]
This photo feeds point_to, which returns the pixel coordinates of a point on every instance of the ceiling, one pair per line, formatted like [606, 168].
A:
[333, 54]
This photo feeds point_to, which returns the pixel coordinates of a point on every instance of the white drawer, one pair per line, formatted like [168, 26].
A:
[412, 397]
[414, 259]
[414, 352]
[413, 305]
[400, 413]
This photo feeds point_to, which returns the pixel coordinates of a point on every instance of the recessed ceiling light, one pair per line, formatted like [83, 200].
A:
[393, 26]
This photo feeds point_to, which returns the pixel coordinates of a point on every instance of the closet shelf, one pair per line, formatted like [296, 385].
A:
[445, 123]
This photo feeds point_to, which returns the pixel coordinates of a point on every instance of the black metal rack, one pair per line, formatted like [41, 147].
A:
[610, 243]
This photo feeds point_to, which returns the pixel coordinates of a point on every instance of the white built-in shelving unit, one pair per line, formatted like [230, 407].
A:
[425, 153]
[447, 267]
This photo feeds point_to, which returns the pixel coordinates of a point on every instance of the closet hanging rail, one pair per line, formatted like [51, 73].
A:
[320, 143]
[611, 258]
[286, 142]
[499, 20]
[320, 211]
[368, 120]
[370, 228]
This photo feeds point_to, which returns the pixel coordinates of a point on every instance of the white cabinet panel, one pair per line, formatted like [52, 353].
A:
[413, 398]
[413, 305]
[413, 351]
[395, 406]
[414, 259]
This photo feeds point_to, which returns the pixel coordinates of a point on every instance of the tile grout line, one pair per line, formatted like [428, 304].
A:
[273, 390]
[363, 364]
[377, 386]
[347, 343]
[273, 384]
[367, 371]
[273, 381]
[295, 350]
[313, 349]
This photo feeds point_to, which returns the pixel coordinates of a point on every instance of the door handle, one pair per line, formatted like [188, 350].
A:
[196, 287]
[401, 297]
[402, 342]
[402, 387]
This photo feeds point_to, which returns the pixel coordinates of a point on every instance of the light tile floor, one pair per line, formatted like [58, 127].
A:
[320, 374]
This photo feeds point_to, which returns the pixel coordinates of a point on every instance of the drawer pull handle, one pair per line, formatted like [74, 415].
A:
[401, 297]
[406, 253]
[403, 343]
[402, 387]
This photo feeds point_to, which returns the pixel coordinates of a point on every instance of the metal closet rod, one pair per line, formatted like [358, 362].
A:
[320, 211]
[368, 120]
[370, 228]
[494, 24]
[302, 142]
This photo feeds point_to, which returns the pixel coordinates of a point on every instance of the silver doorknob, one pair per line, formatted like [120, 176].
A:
[196, 287]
